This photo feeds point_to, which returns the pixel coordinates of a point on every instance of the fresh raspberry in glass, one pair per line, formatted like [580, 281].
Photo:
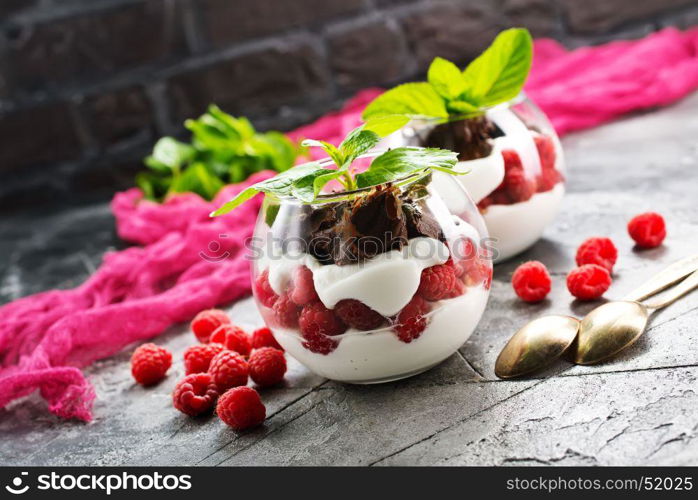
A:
[195, 394]
[286, 312]
[262, 337]
[232, 337]
[358, 315]
[197, 358]
[531, 281]
[411, 321]
[149, 363]
[316, 319]
[267, 366]
[303, 290]
[648, 229]
[546, 151]
[436, 282]
[263, 290]
[588, 282]
[241, 408]
[599, 251]
[206, 322]
[519, 187]
[228, 369]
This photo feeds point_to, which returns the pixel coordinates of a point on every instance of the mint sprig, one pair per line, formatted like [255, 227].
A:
[223, 149]
[305, 182]
[494, 77]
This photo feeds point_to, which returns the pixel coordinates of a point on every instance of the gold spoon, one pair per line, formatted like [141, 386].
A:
[543, 340]
[613, 326]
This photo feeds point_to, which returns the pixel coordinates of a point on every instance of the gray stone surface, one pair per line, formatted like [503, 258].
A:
[636, 409]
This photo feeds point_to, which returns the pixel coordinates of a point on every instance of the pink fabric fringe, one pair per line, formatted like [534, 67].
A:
[189, 262]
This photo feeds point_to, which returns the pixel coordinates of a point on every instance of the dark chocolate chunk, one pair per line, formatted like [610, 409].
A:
[421, 223]
[469, 138]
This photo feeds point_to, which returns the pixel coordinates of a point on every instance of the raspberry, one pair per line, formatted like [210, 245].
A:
[262, 337]
[457, 290]
[547, 180]
[149, 363]
[436, 282]
[477, 271]
[263, 290]
[198, 358]
[411, 321]
[599, 251]
[316, 319]
[204, 323]
[319, 344]
[531, 281]
[195, 394]
[286, 312]
[517, 185]
[588, 282]
[228, 369]
[232, 337]
[267, 366]
[546, 151]
[241, 408]
[358, 315]
[303, 291]
[648, 229]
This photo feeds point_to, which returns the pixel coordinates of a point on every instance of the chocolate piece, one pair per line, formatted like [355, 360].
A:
[421, 223]
[469, 138]
[376, 224]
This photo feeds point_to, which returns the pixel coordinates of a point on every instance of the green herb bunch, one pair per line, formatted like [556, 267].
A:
[450, 94]
[305, 182]
[223, 149]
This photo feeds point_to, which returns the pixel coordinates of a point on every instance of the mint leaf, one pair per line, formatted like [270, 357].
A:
[356, 143]
[332, 151]
[500, 72]
[385, 125]
[414, 100]
[172, 153]
[446, 78]
[297, 181]
[197, 179]
[222, 149]
[463, 109]
[400, 162]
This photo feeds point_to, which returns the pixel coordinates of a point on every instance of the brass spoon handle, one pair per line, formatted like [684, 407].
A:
[676, 293]
[664, 279]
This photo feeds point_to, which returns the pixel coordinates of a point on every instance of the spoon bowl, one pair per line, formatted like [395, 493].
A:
[536, 345]
[609, 329]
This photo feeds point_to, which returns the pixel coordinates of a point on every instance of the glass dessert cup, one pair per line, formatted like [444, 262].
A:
[515, 165]
[376, 284]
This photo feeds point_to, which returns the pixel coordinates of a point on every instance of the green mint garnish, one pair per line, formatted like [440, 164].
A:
[223, 149]
[305, 182]
[496, 76]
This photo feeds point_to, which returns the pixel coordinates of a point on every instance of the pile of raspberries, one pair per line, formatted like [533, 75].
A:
[217, 370]
[595, 260]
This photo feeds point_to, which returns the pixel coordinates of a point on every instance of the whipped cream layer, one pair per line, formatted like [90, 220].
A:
[513, 228]
[385, 283]
[379, 356]
[483, 175]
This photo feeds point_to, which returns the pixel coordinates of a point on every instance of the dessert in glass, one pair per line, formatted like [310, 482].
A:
[372, 281]
[505, 143]
[515, 169]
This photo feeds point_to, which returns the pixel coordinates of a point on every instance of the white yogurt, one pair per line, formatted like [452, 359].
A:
[385, 283]
[514, 228]
[379, 356]
[484, 175]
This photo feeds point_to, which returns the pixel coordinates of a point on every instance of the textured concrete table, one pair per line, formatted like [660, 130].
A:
[637, 409]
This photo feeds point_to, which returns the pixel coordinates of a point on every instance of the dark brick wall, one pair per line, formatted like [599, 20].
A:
[86, 86]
